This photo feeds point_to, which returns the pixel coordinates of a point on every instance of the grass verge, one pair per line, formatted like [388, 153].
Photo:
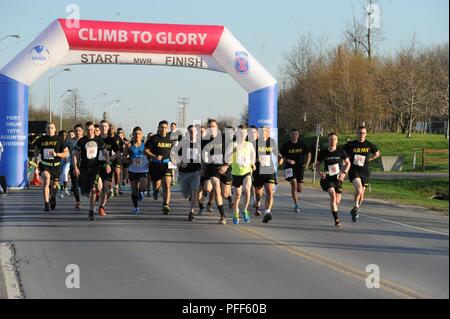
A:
[415, 192]
[394, 144]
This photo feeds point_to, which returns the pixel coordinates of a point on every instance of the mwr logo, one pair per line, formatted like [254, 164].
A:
[39, 55]
[241, 62]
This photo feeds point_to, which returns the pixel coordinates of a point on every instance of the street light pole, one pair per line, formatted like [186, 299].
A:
[93, 105]
[50, 92]
[106, 106]
[61, 111]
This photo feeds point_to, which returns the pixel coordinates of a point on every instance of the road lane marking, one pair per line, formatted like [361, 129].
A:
[351, 271]
[406, 225]
[386, 220]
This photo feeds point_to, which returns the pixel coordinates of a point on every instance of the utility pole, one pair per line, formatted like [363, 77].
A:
[183, 102]
[319, 132]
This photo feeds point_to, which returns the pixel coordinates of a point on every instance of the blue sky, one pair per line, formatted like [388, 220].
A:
[268, 29]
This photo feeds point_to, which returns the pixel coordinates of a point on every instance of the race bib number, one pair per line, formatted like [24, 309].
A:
[264, 160]
[48, 154]
[171, 166]
[288, 173]
[242, 160]
[138, 162]
[217, 159]
[359, 160]
[192, 154]
[91, 150]
[333, 169]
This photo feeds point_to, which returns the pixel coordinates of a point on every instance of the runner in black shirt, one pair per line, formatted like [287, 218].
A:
[87, 153]
[51, 149]
[361, 152]
[71, 143]
[296, 156]
[189, 165]
[112, 147]
[264, 177]
[217, 172]
[332, 176]
[175, 136]
[157, 148]
[116, 163]
[202, 191]
[123, 178]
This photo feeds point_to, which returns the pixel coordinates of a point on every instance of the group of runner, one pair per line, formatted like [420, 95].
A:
[234, 165]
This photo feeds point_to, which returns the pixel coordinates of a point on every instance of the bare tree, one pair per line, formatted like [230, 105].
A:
[244, 115]
[363, 35]
[438, 68]
[412, 83]
[74, 104]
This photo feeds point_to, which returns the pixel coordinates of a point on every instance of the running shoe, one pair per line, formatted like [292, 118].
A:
[61, 194]
[209, 208]
[155, 194]
[166, 209]
[236, 218]
[110, 194]
[354, 213]
[91, 215]
[191, 217]
[246, 217]
[78, 205]
[267, 218]
[136, 211]
[47, 207]
[140, 196]
[337, 222]
[257, 212]
[52, 203]
[116, 193]
[67, 193]
[297, 209]
[223, 220]
[101, 211]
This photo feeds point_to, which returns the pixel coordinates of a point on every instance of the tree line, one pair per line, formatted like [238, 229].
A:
[348, 85]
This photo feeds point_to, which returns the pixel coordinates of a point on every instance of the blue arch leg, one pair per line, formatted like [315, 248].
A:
[262, 107]
[14, 131]
[262, 111]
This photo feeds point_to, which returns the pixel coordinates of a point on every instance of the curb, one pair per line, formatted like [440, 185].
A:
[9, 270]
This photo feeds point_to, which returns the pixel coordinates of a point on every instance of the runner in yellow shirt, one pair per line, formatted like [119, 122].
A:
[241, 156]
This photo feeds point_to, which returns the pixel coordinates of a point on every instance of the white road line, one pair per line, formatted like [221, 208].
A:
[385, 220]
[406, 225]
[9, 272]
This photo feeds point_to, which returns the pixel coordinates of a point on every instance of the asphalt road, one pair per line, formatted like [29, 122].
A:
[294, 256]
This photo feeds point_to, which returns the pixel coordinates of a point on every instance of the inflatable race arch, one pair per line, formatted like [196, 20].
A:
[67, 42]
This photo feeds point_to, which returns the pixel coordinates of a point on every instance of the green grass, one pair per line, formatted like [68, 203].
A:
[394, 144]
[415, 192]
